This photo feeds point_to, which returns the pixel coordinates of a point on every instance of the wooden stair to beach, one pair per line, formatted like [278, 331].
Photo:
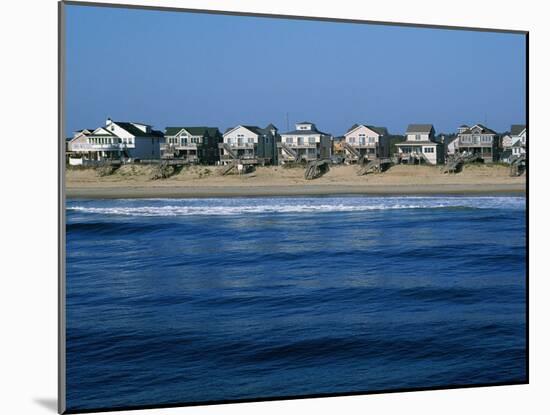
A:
[352, 150]
[517, 165]
[455, 162]
[229, 151]
[291, 152]
[377, 165]
[224, 170]
[316, 168]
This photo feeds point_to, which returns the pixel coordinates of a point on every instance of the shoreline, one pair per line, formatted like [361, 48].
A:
[178, 191]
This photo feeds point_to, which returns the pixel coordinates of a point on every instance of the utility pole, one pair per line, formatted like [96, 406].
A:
[287, 125]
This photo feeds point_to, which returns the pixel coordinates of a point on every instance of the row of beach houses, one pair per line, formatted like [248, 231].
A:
[252, 145]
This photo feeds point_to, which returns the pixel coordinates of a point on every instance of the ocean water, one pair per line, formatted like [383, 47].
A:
[192, 300]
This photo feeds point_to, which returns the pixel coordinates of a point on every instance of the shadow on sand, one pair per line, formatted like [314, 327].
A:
[48, 403]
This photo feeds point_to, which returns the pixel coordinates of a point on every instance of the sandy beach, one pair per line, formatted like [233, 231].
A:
[133, 181]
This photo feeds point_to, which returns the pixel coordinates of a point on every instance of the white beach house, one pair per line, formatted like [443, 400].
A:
[363, 141]
[116, 140]
[305, 143]
[420, 146]
[249, 144]
[517, 132]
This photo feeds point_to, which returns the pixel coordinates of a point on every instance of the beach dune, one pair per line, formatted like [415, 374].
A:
[134, 181]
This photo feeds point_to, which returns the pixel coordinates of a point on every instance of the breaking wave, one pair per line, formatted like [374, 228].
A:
[244, 206]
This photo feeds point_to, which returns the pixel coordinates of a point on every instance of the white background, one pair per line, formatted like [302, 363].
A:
[28, 93]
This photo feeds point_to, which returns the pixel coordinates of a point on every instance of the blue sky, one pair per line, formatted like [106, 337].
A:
[171, 68]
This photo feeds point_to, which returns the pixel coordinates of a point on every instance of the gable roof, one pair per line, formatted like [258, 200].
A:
[377, 130]
[420, 128]
[85, 130]
[484, 130]
[135, 131]
[196, 131]
[517, 129]
[252, 128]
[101, 132]
[131, 128]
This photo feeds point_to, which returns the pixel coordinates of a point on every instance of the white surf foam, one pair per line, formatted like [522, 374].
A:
[244, 206]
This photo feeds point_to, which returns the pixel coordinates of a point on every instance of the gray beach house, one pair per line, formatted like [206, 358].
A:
[476, 139]
[191, 145]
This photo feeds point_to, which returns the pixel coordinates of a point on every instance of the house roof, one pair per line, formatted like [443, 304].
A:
[417, 143]
[377, 130]
[516, 129]
[484, 130]
[419, 128]
[304, 132]
[313, 131]
[132, 129]
[104, 132]
[254, 128]
[199, 131]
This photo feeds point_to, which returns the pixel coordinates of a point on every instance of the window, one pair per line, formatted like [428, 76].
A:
[352, 140]
[289, 140]
[372, 140]
[250, 140]
[417, 137]
[428, 149]
[311, 140]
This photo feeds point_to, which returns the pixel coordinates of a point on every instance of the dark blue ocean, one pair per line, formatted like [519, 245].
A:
[188, 300]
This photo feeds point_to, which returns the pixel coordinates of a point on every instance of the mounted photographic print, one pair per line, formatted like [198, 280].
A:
[259, 207]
